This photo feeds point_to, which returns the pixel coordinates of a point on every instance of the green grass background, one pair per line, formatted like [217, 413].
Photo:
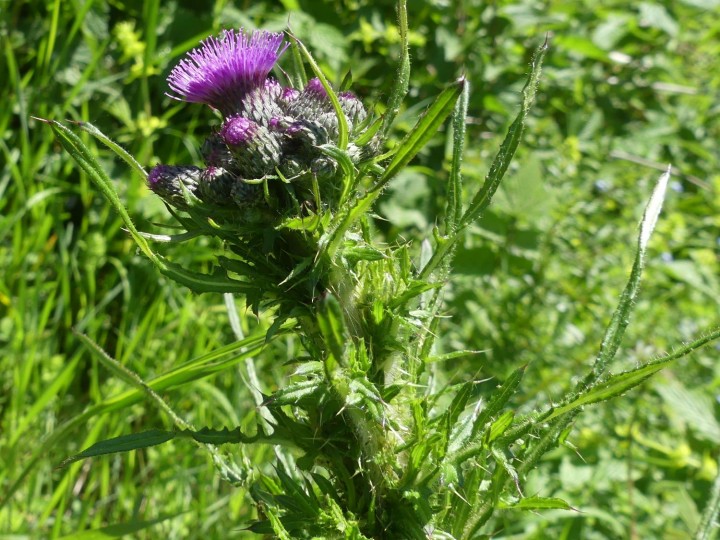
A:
[627, 89]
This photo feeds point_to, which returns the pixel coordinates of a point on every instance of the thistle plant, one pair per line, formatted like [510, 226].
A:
[370, 442]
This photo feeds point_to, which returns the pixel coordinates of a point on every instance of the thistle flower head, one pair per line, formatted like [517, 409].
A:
[223, 70]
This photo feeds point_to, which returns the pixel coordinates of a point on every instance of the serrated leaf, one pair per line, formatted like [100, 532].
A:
[502, 160]
[616, 385]
[621, 317]
[499, 399]
[402, 80]
[498, 427]
[425, 128]
[293, 394]
[332, 327]
[217, 436]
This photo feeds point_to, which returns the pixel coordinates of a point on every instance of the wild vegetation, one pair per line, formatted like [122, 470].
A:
[87, 321]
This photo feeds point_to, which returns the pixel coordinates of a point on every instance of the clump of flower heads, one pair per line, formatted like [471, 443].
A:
[271, 149]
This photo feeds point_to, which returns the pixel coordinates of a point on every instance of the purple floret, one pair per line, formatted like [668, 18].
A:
[315, 88]
[223, 70]
[238, 131]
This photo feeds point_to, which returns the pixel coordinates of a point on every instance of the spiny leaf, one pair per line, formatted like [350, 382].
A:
[332, 327]
[424, 130]
[621, 318]
[500, 164]
[622, 382]
[402, 80]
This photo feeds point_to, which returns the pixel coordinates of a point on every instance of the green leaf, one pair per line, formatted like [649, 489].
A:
[502, 160]
[499, 399]
[84, 157]
[621, 317]
[115, 147]
[537, 503]
[216, 436]
[402, 79]
[293, 394]
[421, 133]
[622, 382]
[118, 530]
[500, 425]
[454, 196]
[124, 443]
[332, 327]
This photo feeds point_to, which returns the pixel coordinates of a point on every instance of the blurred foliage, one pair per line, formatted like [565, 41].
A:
[627, 88]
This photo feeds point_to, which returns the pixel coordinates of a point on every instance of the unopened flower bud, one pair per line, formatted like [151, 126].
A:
[245, 195]
[254, 147]
[353, 109]
[215, 185]
[261, 104]
[215, 153]
[311, 102]
[168, 181]
[287, 96]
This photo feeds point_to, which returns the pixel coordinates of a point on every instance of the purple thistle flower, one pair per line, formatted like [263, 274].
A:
[223, 70]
